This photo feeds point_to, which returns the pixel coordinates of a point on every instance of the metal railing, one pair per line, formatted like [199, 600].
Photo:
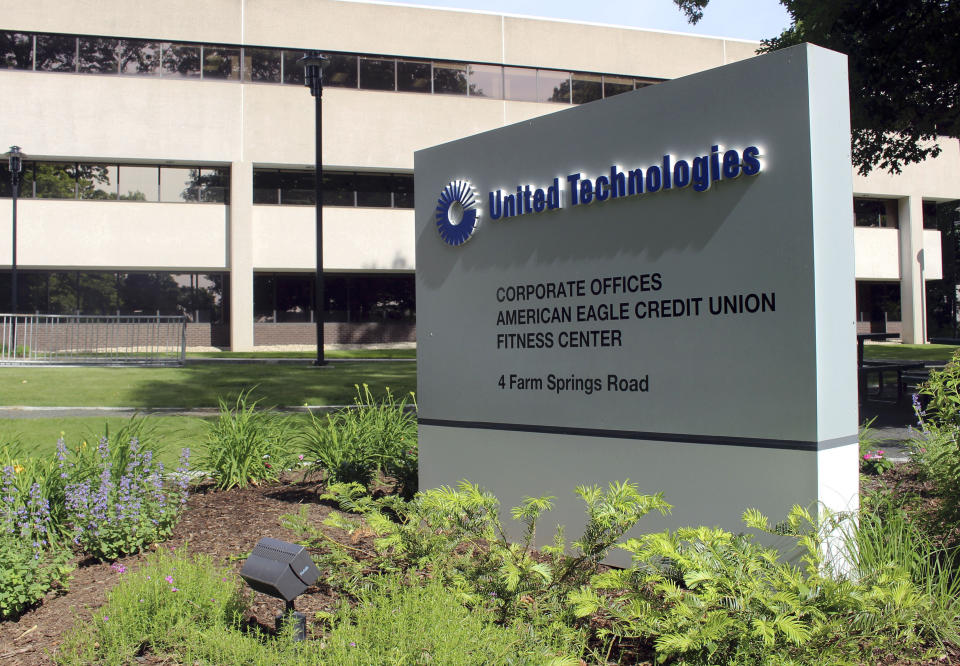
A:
[40, 339]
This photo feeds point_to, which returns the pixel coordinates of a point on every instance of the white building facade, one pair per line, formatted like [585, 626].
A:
[170, 149]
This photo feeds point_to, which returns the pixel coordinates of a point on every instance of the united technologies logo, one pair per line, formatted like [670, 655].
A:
[457, 214]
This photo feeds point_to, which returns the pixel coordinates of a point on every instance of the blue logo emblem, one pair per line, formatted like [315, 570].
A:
[457, 213]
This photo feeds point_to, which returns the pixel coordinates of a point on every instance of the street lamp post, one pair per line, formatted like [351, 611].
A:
[15, 164]
[313, 78]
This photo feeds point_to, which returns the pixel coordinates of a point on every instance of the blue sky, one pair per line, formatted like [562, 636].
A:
[744, 19]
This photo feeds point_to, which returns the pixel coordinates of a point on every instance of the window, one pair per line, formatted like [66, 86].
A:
[587, 88]
[377, 74]
[56, 53]
[136, 56]
[181, 60]
[373, 191]
[450, 79]
[262, 65]
[16, 50]
[98, 55]
[413, 76]
[929, 215]
[520, 83]
[138, 183]
[292, 70]
[485, 81]
[614, 85]
[875, 213]
[97, 181]
[553, 86]
[338, 189]
[221, 62]
[55, 180]
[340, 71]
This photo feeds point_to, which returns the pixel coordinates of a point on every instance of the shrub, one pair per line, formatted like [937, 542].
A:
[158, 608]
[246, 445]
[707, 596]
[27, 574]
[122, 508]
[352, 445]
[31, 558]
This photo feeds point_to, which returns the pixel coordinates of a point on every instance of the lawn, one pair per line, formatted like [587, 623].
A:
[329, 353]
[200, 385]
[899, 352]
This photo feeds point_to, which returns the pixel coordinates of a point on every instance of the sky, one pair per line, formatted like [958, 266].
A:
[742, 19]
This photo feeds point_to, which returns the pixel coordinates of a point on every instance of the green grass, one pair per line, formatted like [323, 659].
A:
[899, 352]
[39, 436]
[201, 385]
[330, 353]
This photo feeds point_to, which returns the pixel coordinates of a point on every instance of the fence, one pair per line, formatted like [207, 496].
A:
[92, 340]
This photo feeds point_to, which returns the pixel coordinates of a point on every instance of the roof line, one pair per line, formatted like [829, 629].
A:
[391, 3]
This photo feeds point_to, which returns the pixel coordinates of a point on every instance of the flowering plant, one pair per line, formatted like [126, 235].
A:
[122, 507]
[875, 462]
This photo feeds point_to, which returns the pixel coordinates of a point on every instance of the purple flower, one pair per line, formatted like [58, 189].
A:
[169, 579]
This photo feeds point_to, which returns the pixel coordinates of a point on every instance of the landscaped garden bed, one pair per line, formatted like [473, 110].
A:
[432, 578]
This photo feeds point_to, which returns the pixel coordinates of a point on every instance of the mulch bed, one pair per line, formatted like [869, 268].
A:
[226, 526]
[223, 525]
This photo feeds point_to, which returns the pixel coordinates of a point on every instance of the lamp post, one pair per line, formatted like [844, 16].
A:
[15, 164]
[313, 78]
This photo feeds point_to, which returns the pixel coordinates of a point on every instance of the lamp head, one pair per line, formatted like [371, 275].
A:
[312, 62]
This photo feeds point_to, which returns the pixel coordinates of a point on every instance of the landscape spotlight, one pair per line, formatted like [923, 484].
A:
[283, 570]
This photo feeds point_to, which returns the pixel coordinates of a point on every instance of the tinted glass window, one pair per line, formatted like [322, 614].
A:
[212, 185]
[56, 54]
[16, 50]
[614, 85]
[178, 184]
[266, 187]
[220, 62]
[26, 180]
[261, 65]
[374, 191]
[338, 189]
[181, 60]
[5, 187]
[377, 74]
[553, 86]
[520, 83]
[136, 56]
[486, 81]
[298, 187]
[929, 215]
[875, 213]
[413, 76]
[403, 191]
[294, 297]
[340, 71]
[292, 70]
[98, 56]
[97, 181]
[138, 183]
[450, 79]
[55, 180]
[587, 88]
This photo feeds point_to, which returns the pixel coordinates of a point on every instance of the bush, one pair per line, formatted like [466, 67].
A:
[246, 445]
[936, 449]
[159, 609]
[354, 444]
[27, 574]
[707, 596]
[125, 505]
[32, 560]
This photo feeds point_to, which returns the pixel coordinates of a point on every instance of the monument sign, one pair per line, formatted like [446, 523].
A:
[658, 286]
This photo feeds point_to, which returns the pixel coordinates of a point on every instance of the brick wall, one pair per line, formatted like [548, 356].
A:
[878, 327]
[333, 333]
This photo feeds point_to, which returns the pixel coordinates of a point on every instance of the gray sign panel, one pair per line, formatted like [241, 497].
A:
[665, 269]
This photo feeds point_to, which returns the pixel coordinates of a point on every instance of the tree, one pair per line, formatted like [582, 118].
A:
[904, 71]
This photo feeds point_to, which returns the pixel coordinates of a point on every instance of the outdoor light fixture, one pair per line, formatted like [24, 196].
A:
[283, 570]
[15, 164]
[313, 78]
